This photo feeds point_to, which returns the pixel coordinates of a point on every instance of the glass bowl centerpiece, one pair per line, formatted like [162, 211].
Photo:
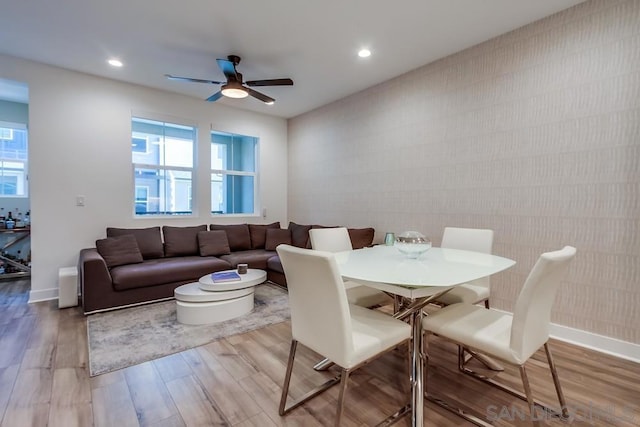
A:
[412, 244]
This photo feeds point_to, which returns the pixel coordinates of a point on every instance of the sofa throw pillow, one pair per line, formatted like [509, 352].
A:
[213, 243]
[181, 241]
[258, 234]
[237, 234]
[361, 237]
[149, 240]
[277, 236]
[119, 250]
[299, 234]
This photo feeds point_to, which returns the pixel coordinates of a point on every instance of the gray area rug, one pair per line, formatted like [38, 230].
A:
[130, 336]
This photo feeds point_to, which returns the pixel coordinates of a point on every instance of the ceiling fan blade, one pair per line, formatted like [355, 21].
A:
[189, 79]
[228, 68]
[215, 96]
[270, 82]
[261, 96]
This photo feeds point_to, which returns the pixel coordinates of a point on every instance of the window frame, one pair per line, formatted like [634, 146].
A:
[232, 172]
[166, 169]
[11, 126]
[146, 199]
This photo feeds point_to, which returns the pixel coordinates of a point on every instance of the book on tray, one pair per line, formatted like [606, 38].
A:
[225, 276]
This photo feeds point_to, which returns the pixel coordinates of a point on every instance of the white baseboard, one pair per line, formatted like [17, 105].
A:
[612, 346]
[43, 295]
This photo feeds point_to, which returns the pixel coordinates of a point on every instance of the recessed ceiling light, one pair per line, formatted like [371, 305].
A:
[115, 62]
[364, 53]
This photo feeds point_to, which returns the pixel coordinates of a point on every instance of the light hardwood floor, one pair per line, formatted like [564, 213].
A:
[236, 381]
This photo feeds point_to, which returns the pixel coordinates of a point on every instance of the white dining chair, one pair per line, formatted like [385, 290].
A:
[474, 292]
[338, 240]
[509, 338]
[323, 320]
[468, 239]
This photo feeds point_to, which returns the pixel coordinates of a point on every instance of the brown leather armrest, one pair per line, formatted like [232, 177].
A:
[95, 279]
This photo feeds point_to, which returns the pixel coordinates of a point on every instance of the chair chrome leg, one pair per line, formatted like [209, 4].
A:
[323, 365]
[547, 409]
[282, 410]
[440, 402]
[461, 358]
[287, 377]
[527, 392]
[485, 360]
[465, 355]
[343, 390]
[556, 382]
[425, 359]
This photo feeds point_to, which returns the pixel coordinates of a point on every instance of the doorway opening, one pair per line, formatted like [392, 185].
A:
[15, 212]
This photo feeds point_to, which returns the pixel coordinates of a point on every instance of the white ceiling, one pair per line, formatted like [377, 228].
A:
[312, 42]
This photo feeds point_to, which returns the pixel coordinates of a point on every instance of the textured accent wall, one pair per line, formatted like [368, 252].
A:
[535, 134]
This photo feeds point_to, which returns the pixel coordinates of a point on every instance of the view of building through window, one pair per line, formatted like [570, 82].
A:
[13, 159]
[233, 173]
[163, 159]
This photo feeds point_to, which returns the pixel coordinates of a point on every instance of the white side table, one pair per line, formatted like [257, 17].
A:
[67, 287]
[205, 302]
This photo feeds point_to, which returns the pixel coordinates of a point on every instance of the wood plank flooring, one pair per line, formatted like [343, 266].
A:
[236, 381]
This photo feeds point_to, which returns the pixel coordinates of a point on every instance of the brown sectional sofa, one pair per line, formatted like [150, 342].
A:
[133, 266]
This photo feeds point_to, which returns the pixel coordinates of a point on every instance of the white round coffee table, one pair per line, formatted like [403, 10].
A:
[204, 302]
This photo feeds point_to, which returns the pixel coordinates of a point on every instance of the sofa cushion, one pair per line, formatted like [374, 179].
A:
[361, 237]
[274, 264]
[237, 234]
[213, 243]
[299, 234]
[119, 250]
[181, 241]
[149, 240]
[277, 236]
[165, 270]
[256, 258]
[258, 234]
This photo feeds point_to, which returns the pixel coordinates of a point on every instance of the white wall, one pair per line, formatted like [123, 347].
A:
[80, 144]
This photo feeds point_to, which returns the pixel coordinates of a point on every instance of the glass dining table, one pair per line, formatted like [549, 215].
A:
[415, 283]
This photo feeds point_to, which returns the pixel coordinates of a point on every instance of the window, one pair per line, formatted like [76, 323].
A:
[6, 133]
[139, 145]
[163, 159]
[13, 159]
[233, 173]
[142, 198]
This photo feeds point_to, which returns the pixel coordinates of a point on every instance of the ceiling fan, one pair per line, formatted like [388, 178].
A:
[234, 87]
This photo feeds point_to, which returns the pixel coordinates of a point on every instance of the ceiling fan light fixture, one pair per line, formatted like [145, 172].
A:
[234, 90]
[235, 86]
